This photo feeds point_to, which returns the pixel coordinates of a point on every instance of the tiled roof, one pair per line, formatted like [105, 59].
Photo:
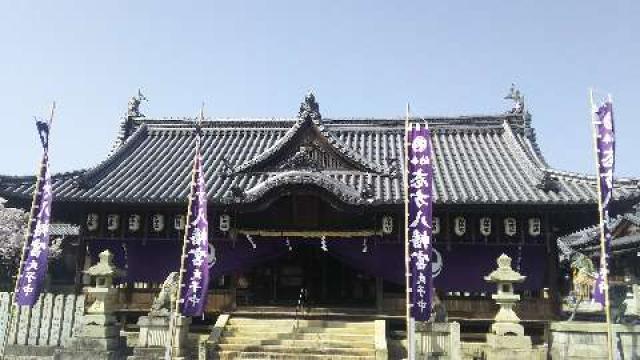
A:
[588, 240]
[480, 160]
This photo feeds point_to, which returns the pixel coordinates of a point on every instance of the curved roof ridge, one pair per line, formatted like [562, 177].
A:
[527, 158]
[30, 178]
[580, 176]
[333, 141]
[297, 177]
[433, 120]
[351, 153]
[268, 152]
[121, 151]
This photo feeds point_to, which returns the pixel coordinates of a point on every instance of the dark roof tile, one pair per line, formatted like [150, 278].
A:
[479, 160]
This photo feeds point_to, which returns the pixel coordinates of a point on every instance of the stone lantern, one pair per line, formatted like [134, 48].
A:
[506, 340]
[99, 337]
[105, 295]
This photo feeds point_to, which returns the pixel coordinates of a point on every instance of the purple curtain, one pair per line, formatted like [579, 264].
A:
[384, 260]
[463, 265]
[153, 260]
[243, 256]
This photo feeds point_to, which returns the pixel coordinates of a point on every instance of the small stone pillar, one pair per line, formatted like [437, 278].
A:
[99, 337]
[506, 340]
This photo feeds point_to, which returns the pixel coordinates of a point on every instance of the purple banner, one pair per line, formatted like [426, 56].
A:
[195, 280]
[605, 146]
[420, 176]
[33, 268]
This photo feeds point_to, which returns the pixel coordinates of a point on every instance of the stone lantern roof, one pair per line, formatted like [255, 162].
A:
[105, 267]
[504, 273]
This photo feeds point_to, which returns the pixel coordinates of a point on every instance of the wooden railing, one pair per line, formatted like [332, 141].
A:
[477, 308]
[141, 299]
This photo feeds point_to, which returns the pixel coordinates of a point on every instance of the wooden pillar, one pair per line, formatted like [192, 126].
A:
[234, 291]
[81, 254]
[324, 279]
[552, 257]
[379, 294]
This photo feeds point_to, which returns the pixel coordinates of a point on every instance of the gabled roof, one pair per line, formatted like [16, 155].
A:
[625, 230]
[307, 132]
[488, 159]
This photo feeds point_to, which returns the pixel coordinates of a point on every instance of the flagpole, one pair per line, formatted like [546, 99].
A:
[53, 109]
[14, 308]
[603, 251]
[410, 337]
[185, 238]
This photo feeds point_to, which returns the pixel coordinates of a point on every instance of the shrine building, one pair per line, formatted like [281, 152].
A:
[316, 204]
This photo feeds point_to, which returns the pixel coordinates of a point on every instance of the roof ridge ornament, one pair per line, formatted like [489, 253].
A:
[133, 108]
[309, 109]
[549, 183]
[517, 98]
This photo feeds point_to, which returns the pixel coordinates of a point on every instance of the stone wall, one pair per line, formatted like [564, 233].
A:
[50, 323]
[578, 340]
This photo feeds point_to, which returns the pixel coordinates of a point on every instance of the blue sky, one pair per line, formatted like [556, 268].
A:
[362, 58]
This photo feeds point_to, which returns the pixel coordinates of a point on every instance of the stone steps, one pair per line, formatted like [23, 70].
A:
[309, 342]
[300, 322]
[265, 338]
[282, 330]
[229, 355]
[297, 349]
[327, 339]
[300, 335]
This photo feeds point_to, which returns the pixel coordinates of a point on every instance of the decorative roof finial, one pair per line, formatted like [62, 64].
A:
[200, 120]
[309, 108]
[548, 183]
[133, 110]
[517, 98]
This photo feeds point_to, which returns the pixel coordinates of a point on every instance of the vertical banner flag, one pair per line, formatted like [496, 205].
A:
[193, 294]
[33, 267]
[605, 147]
[420, 176]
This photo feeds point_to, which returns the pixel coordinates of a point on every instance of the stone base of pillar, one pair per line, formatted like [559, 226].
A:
[95, 342]
[155, 334]
[509, 347]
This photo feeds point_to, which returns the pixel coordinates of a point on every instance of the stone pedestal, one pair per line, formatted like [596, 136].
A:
[583, 308]
[155, 332]
[584, 340]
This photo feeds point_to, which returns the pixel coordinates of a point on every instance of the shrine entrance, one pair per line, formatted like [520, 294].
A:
[325, 280]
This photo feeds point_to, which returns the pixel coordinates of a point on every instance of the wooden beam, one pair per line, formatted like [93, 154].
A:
[311, 233]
